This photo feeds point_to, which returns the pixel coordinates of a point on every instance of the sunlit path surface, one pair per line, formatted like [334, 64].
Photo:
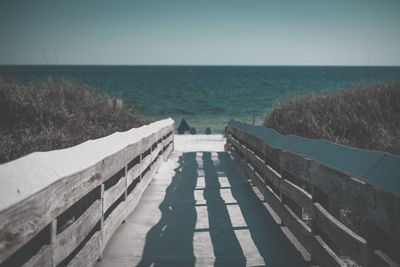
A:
[200, 210]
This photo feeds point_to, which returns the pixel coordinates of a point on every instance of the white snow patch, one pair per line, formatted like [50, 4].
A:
[199, 142]
[28, 175]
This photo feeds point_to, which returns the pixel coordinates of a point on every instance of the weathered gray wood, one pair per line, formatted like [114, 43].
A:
[319, 250]
[296, 225]
[16, 227]
[145, 180]
[148, 141]
[323, 254]
[133, 151]
[169, 149]
[114, 192]
[256, 161]
[114, 220]
[145, 162]
[71, 237]
[133, 199]
[20, 222]
[314, 244]
[350, 243]
[239, 147]
[133, 173]
[272, 176]
[163, 132]
[297, 194]
[89, 254]
[256, 143]
[125, 188]
[257, 180]
[379, 207]
[44, 258]
[167, 140]
[157, 164]
[156, 151]
[382, 260]
[102, 221]
[53, 240]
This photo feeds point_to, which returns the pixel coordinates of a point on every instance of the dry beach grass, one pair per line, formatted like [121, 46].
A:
[363, 116]
[50, 115]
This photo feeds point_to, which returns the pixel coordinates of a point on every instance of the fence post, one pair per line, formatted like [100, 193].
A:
[102, 222]
[53, 239]
[173, 138]
[126, 187]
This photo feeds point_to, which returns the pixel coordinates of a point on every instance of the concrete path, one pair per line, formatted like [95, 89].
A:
[200, 210]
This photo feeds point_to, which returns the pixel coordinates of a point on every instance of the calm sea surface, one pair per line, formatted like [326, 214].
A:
[206, 96]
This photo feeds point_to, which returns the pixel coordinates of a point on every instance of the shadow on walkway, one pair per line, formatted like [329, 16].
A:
[211, 216]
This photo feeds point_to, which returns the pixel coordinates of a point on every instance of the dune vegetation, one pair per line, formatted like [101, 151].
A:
[362, 116]
[50, 115]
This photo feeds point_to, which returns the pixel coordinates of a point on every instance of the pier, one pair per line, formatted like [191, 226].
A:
[251, 197]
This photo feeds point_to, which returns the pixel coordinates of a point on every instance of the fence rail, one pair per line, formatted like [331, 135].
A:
[60, 208]
[338, 218]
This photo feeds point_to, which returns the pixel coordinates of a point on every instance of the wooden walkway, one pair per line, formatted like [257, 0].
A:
[200, 210]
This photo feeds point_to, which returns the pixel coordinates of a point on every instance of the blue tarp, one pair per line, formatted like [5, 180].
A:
[378, 168]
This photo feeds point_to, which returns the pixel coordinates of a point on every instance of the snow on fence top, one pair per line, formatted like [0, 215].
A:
[30, 174]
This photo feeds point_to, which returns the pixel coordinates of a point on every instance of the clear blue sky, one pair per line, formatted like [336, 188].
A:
[229, 32]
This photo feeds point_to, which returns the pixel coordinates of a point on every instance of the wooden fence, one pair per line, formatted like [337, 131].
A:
[341, 220]
[60, 208]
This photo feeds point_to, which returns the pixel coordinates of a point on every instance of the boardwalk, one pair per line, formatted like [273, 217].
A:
[200, 210]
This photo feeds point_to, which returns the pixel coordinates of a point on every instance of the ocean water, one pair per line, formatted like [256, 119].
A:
[206, 96]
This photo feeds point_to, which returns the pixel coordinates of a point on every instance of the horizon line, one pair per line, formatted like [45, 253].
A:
[188, 65]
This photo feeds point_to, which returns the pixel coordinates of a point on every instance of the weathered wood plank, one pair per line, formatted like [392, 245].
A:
[102, 221]
[156, 164]
[155, 152]
[349, 242]
[145, 180]
[378, 206]
[163, 132]
[320, 251]
[239, 147]
[168, 140]
[324, 255]
[133, 173]
[133, 199]
[89, 254]
[169, 149]
[44, 258]
[256, 143]
[272, 176]
[135, 196]
[113, 193]
[297, 225]
[113, 221]
[256, 161]
[148, 141]
[382, 260]
[133, 150]
[314, 244]
[20, 223]
[164, 153]
[71, 237]
[145, 163]
[297, 194]
[257, 180]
